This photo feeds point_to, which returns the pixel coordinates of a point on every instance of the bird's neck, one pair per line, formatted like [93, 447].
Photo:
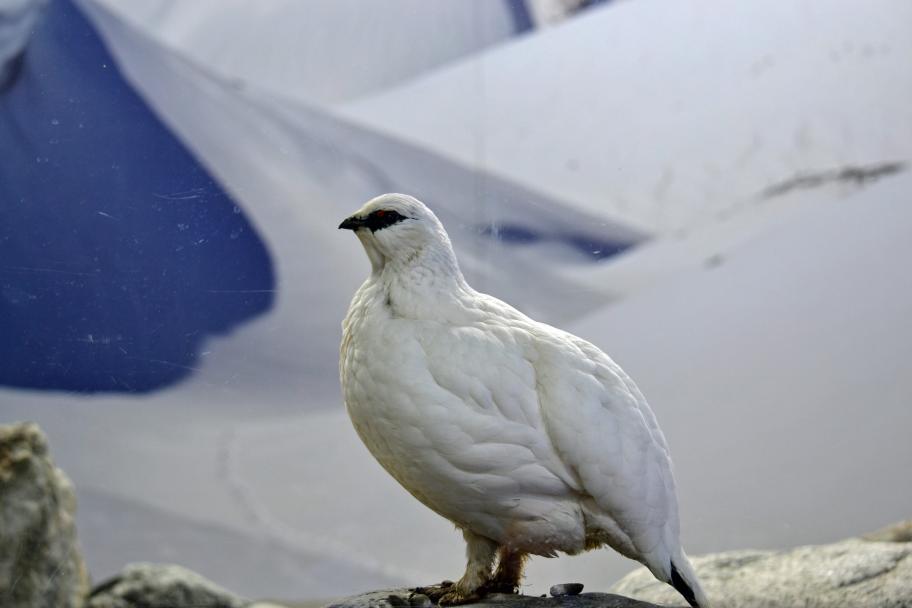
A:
[425, 285]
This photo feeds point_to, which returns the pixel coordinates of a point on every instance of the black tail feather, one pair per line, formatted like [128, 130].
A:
[678, 582]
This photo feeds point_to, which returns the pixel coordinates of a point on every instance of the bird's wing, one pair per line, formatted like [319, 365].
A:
[602, 427]
[479, 428]
[488, 386]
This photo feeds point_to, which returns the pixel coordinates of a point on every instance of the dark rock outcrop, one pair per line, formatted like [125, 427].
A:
[400, 598]
[40, 563]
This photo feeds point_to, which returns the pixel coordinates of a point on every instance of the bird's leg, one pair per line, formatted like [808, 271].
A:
[480, 552]
[508, 573]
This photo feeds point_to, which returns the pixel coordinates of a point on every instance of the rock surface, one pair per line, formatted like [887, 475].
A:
[399, 598]
[161, 586]
[40, 563]
[853, 573]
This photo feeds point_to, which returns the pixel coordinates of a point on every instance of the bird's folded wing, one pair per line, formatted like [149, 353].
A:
[603, 429]
[488, 388]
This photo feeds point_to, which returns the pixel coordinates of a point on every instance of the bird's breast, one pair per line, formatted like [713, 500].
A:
[452, 413]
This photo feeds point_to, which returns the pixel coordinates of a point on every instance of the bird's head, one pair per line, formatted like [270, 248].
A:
[399, 229]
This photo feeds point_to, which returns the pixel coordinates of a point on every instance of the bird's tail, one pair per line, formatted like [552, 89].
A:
[684, 580]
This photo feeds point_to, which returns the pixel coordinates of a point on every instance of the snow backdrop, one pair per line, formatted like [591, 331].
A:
[717, 195]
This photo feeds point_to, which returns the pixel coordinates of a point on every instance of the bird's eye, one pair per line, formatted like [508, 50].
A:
[381, 218]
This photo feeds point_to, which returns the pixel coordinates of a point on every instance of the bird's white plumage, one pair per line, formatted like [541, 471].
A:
[516, 431]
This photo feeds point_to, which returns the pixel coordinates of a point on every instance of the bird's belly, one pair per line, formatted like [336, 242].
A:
[480, 486]
[464, 446]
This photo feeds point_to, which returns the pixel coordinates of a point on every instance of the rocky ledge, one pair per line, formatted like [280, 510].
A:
[874, 571]
[41, 566]
[402, 598]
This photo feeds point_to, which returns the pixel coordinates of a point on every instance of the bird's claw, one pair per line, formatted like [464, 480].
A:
[434, 592]
[446, 593]
[457, 598]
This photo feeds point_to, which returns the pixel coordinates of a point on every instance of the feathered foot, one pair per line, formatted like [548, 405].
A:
[448, 593]
[434, 592]
[509, 572]
[457, 597]
[472, 587]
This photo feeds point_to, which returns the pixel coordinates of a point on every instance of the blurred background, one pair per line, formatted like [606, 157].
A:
[717, 194]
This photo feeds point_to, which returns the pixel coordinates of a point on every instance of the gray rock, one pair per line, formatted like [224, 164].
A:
[161, 586]
[853, 573]
[395, 598]
[40, 563]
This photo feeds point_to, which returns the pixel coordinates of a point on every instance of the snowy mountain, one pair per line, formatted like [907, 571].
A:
[713, 193]
[321, 52]
[17, 18]
[668, 116]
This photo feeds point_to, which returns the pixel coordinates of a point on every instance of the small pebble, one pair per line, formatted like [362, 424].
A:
[566, 589]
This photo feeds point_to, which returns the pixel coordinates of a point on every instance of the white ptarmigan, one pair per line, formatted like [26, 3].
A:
[530, 439]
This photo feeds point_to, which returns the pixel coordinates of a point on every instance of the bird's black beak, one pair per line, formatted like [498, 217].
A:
[352, 223]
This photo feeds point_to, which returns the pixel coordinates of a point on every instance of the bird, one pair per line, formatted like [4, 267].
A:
[531, 440]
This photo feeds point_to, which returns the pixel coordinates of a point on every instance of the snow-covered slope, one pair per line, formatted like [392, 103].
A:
[120, 253]
[777, 371]
[298, 169]
[17, 18]
[114, 530]
[665, 116]
[780, 375]
[709, 244]
[321, 51]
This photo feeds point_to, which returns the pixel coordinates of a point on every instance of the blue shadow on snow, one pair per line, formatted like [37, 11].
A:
[119, 253]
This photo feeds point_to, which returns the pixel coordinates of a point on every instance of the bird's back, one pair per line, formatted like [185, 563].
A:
[603, 430]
